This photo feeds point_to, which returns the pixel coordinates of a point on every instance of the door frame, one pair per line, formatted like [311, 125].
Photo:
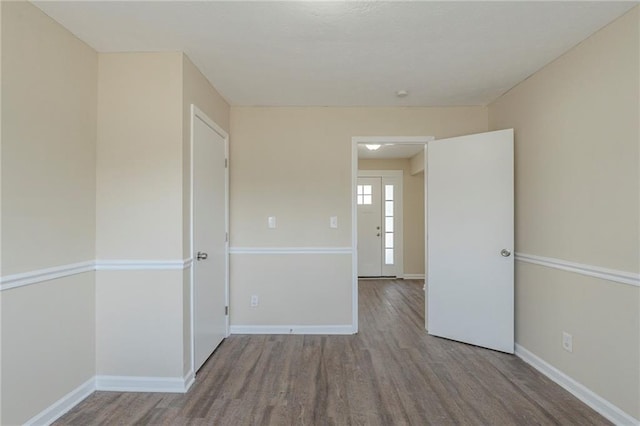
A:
[397, 210]
[355, 140]
[196, 112]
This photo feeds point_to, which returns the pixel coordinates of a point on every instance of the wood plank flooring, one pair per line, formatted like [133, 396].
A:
[390, 373]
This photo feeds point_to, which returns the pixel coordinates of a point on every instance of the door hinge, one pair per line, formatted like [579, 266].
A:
[226, 310]
[226, 237]
[226, 163]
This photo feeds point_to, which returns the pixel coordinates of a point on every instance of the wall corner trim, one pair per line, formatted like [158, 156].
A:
[145, 384]
[584, 394]
[189, 380]
[64, 404]
[292, 329]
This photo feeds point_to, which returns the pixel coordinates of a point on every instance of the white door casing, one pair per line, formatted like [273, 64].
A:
[470, 281]
[209, 250]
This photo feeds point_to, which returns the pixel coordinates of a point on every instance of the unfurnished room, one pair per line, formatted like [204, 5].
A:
[319, 212]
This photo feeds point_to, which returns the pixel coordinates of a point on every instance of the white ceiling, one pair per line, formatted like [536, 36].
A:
[389, 151]
[346, 53]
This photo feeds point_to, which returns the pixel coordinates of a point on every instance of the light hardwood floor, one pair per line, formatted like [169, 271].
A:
[390, 373]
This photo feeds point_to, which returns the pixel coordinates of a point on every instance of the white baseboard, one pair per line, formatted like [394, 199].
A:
[64, 404]
[599, 404]
[111, 383]
[292, 329]
[413, 276]
[144, 384]
[189, 379]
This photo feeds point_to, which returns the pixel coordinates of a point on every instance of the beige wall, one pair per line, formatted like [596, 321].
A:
[139, 319]
[295, 164]
[412, 210]
[196, 90]
[577, 199]
[139, 313]
[139, 168]
[144, 208]
[49, 81]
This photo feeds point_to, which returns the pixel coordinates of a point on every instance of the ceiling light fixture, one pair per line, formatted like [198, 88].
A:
[402, 93]
[372, 146]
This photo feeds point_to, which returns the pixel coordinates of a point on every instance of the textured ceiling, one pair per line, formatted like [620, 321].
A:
[346, 53]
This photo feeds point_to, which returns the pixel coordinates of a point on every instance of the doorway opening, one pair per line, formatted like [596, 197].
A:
[388, 211]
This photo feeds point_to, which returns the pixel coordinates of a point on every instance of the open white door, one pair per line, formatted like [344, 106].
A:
[209, 236]
[470, 239]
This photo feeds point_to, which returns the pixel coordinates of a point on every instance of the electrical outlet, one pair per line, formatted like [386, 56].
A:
[254, 301]
[567, 342]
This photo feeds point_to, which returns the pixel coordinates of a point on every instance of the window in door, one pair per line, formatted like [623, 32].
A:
[364, 195]
[388, 225]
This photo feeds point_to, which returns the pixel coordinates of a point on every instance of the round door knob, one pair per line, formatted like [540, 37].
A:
[505, 253]
[201, 256]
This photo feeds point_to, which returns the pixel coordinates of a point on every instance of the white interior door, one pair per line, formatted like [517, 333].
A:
[209, 238]
[368, 200]
[470, 239]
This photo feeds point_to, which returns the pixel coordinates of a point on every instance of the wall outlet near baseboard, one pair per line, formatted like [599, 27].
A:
[254, 300]
[567, 341]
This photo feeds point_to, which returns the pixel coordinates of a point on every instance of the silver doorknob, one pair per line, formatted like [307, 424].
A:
[505, 253]
[201, 256]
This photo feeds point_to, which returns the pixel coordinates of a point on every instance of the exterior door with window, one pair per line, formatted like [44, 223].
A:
[377, 200]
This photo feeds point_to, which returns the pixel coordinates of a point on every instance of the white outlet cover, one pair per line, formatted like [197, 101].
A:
[333, 221]
[271, 221]
[567, 341]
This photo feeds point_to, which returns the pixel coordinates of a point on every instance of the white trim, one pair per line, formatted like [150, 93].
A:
[189, 380]
[134, 265]
[381, 173]
[599, 404]
[292, 329]
[64, 404]
[622, 277]
[110, 383]
[196, 112]
[62, 271]
[354, 234]
[405, 140]
[46, 274]
[413, 276]
[290, 250]
[144, 384]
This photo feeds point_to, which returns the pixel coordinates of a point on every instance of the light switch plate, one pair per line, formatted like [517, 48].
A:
[271, 222]
[333, 222]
